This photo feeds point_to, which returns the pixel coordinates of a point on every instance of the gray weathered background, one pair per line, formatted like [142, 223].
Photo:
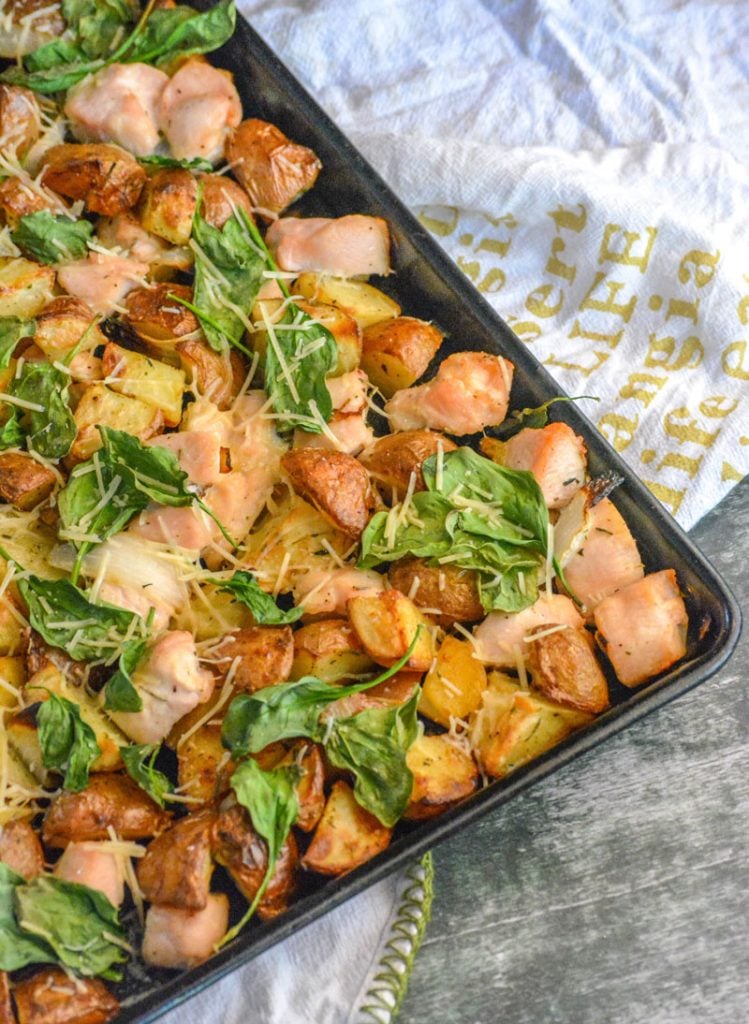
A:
[616, 891]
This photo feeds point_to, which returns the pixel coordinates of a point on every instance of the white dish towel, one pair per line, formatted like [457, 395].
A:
[584, 163]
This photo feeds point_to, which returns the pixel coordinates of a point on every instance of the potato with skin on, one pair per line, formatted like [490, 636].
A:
[66, 323]
[20, 849]
[443, 775]
[274, 170]
[24, 482]
[203, 772]
[27, 25]
[100, 406]
[168, 203]
[25, 287]
[393, 693]
[52, 997]
[12, 628]
[310, 789]
[499, 638]
[330, 650]
[455, 684]
[244, 854]
[7, 1016]
[393, 458]
[220, 198]
[365, 303]
[149, 380]
[179, 939]
[397, 352]
[107, 178]
[447, 592]
[265, 653]
[156, 315]
[218, 376]
[386, 623]
[18, 200]
[335, 483]
[643, 627]
[20, 120]
[565, 669]
[108, 800]
[178, 866]
[346, 836]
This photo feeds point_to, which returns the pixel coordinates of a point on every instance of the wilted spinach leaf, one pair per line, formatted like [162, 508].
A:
[17, 948]
[120, 693]
[197, 163]
[139, 760]
[68, 744]
[50, 238]
[12, 329]
[265, 611]
[534, 418]
[48, 423]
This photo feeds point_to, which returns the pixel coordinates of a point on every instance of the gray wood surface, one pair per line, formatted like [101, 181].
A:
[616, 891]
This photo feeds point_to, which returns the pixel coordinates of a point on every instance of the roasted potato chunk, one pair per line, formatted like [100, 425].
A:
[204, 770]
[393, 458]
[220, 197]
[514, 726]
[310, 791]
[346, 836]
[24, 482]
[52, 997]
[365, 303]
[217, 376]
[386, 623]
[330, 650]
[168, 203]
[274, 170]
[11, 626]
[345, 330]
[449, 593]
[336, 484]
[177, 867]
[564, 668]
[100, 406]
[7, 1016]
[18, 200]
[107, 178]
[107, 800]
[390, 694]
[176, 938]
[244, 854]
[13, 675]
[157, 317]
[21, 850]
[395, 353]
[28, 24]
[25, 287]
[455, 684]
[20, 122]
[149, 380]
[21, 782]
[266, 654]
[443, 775]
[64, 323]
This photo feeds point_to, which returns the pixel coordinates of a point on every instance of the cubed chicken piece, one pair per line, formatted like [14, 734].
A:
[199, 453]
[197, 109]
[341, 246]
[20, 849]
[328, 593]
[170, 683]
[109, 801]
[595, 549]
[643, 627]
[54, 997]
[118, 104]
[102, 282]
[470, 392]
[348, 424]
[179, 938]
[499, 638]
[94, 865]
[555, 455]
[274, 170]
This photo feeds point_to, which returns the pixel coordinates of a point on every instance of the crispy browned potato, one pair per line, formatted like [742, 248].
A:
[386, 623]
[18, 200]
[449, 593]
[244, 854]
[12, 630]
[52, 997]
[7, 1016]
[266, 655]
[310, 790]
[220, 198]
[28, 24]
[157, 317]
[564, 668]
[177, 867]
[151, 381]
[100, 406]
[361, 300]
[443, 774]
[106, 177]
[23, 738]
[390, 694]
[347, 835]
[203, 768]
[336, 484]
[24, 482]
[21, 850]
[168, 203]
[25, 287]
[455, 684]
[330, 650]
[107, 800]
[392, 459]
[345, 330]
[19, 118]
[64, 323]
[395, 353]
[218, 377]
[274, 170]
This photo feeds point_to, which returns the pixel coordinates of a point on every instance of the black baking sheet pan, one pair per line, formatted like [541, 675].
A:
[429, 285]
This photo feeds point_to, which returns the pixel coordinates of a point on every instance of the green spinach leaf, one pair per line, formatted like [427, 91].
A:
[12, 329]
[11, 434]
[50, 238]
[68, 744]
[180, 31]
[373, 745]
[120, 693]
[47, 418]
[195, 164]
[97, 24]
[139, 760]
[246, 589]
[17, 948]
[271, 800]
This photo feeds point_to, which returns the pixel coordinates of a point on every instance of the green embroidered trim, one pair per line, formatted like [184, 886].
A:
[383, 999]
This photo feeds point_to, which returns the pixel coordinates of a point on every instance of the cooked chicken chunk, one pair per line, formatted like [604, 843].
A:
[94, 865]
[179, 938]
[197, 109]
[341, 246]
[499, 638]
